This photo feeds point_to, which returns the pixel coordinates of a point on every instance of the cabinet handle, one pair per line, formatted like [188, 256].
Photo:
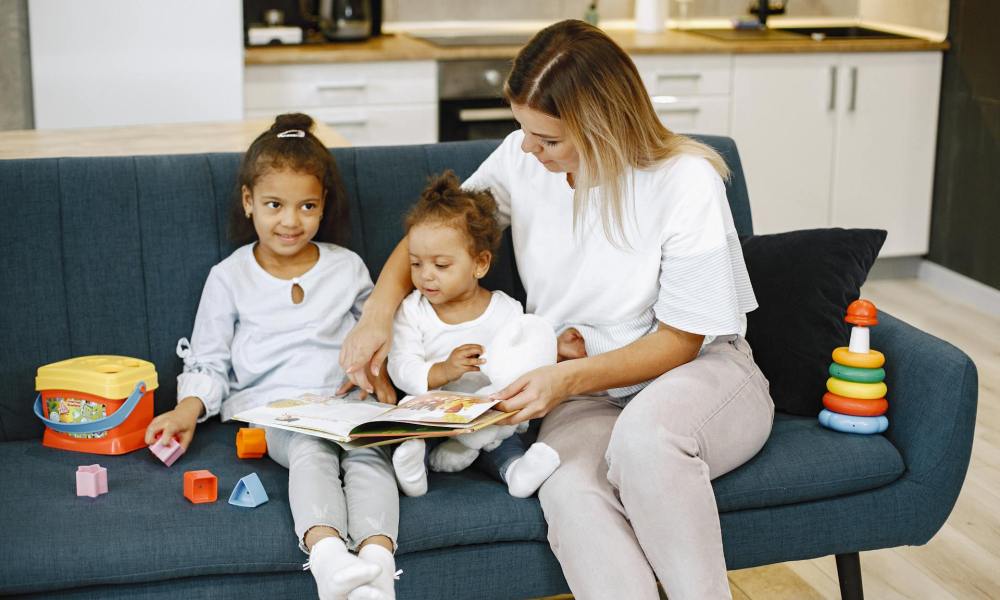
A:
[340, 85]
[854, 90]
[677, 110]
[695, 76]
[832, 104]
[469, 115]
[347, 121]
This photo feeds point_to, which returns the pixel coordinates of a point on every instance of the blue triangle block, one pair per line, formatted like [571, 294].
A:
[249, 492]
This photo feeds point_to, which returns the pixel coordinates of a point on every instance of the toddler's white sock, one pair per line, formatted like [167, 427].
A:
[408, 463]
[525, 475]
[451, 456]
[383, 587]
[337, 571]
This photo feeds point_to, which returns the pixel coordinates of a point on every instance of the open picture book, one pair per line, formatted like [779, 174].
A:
[361, 423]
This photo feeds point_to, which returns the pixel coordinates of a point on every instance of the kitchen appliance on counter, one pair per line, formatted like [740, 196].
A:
[345, 20]
[320, 21]
[470, 102]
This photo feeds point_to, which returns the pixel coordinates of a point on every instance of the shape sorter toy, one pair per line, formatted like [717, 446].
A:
[250, 443]
[855, 398]
[201, 486]
[96, 404]
[91, 480]
[169, 452]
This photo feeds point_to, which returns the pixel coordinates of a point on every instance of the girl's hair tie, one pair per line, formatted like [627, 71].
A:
[296, 133]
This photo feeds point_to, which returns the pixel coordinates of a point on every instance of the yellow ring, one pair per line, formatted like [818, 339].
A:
[873, 360]
[861, 391]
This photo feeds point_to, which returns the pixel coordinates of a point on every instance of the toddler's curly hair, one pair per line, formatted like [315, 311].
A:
[473, 212]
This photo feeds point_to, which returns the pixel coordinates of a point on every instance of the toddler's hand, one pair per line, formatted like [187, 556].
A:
[179, 422]
[570, 345]
[464, 359]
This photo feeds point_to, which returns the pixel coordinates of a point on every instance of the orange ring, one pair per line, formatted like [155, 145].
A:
[873, 360]
[854, 406]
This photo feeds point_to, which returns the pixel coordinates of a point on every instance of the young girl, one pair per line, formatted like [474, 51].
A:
[270, 324]
[444, 328]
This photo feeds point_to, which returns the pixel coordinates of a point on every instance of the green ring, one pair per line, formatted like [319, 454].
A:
[856, 374]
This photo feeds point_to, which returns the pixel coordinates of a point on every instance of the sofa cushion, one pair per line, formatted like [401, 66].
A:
[803, 461]
[145, 530]
[804, 281]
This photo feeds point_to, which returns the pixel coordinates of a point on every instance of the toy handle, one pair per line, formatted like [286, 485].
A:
[113, 420]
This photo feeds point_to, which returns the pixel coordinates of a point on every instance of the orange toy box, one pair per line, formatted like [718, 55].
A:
[96, 404]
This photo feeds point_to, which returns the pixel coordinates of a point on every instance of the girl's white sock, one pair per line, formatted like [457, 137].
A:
[337, 571]
[383, 587]
[525, 475]
[451, 457]
[408, 463]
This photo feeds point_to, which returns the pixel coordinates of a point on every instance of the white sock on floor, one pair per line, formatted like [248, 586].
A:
[525, 475]
[451, 457]
[408, 463]
[337, 571]
[384, 586]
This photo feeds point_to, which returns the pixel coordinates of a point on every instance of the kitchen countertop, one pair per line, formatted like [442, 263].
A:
[183, 138]
[400, 46]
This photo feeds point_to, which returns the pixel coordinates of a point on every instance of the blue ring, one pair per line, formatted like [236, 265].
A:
[852, 424]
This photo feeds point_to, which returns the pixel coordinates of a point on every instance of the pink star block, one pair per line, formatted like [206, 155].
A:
[91, 480]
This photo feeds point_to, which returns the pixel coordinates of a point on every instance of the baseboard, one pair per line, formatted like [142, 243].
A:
[964, 289]
[896, 267]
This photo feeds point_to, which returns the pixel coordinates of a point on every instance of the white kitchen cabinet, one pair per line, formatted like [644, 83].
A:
[885, 148]
[124, 62]
[843, 140]
[369, 103]
[690, 93]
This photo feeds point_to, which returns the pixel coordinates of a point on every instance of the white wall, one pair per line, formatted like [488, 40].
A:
[931, 15]
[127, 62]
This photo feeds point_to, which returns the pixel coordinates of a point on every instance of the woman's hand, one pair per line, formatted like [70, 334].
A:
[382, 387]
[364, 352]
[533, 394]
[570, 345]
[179, 422]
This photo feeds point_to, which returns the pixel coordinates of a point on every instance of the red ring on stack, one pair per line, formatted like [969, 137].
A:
[855, 406]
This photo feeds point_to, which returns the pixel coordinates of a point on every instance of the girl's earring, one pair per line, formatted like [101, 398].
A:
[248, 215]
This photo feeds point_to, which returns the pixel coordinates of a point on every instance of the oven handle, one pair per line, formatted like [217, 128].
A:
[472, 115]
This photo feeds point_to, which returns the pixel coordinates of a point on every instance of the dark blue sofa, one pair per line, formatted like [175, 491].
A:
[108, 256]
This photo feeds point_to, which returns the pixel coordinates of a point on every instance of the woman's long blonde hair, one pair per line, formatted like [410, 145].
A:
[574, 72]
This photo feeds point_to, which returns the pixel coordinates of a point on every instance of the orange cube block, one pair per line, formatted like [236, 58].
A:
[250, 443]
[201, 486]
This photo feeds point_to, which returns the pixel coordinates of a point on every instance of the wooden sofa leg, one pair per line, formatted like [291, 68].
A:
[849, 573]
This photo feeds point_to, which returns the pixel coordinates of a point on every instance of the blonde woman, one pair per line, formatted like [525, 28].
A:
[624, 241]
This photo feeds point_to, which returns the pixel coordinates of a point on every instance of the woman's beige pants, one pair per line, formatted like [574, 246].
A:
[632, 501]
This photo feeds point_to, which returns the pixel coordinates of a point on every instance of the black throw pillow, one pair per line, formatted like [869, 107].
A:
[804, 281]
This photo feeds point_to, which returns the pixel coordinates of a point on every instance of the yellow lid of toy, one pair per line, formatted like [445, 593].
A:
[109, 377]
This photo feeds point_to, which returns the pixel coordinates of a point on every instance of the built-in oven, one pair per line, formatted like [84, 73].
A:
[470, 105]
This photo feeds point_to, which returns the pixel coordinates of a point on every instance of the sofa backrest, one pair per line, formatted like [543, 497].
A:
[109, 255]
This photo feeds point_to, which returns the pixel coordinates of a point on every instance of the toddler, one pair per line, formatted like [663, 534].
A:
[447, 329]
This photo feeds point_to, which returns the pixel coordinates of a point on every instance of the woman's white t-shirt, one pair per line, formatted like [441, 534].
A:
[682, 264]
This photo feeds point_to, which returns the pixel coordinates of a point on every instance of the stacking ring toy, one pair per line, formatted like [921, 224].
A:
[849, 389]
[873, 360]
[856, 374]
[854, 406]
[852, 424]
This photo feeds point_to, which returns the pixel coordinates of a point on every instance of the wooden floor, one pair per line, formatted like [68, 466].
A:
[963, 560]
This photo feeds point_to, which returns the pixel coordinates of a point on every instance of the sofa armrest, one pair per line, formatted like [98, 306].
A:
[933, 391]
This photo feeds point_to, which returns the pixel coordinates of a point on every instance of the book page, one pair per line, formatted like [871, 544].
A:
[439, 407]
[335, 417]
